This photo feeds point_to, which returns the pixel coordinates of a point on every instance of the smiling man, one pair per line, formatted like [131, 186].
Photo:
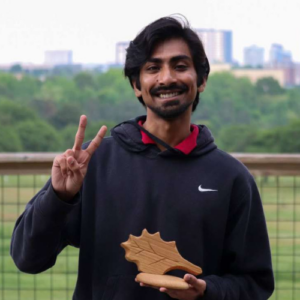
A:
[158, 172]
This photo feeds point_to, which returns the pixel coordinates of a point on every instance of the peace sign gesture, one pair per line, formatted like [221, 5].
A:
[69, 168]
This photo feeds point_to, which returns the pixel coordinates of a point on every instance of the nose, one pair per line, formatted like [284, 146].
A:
[166, 76]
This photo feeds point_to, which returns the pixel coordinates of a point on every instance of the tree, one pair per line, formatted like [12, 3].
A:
[66, 114]
[268, 85]
[289, 140]
[12, 113]
[236, 138]
[9, 140]
[281, 139]
[67, 136]
[8, 84]
[17, 68]
[38, 136]
[84, 80]
[69, 132]
[58, 89]
[93, 128]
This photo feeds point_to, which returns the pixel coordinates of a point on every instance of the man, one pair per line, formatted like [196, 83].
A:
[157, 172]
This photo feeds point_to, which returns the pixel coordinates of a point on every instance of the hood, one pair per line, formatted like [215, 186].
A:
[128, 135]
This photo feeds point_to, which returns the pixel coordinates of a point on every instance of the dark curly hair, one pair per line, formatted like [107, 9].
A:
[141, 48]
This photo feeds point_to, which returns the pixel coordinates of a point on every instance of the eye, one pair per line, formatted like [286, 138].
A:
[181, 67]
[152, 68]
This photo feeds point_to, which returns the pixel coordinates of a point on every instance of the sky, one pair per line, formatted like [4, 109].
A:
[91, 28]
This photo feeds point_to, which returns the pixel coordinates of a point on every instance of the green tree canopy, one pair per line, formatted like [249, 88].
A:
[9, 140]
[12, 113]
[236, 138]
[84, 80]
[38, 136]
[269, 86]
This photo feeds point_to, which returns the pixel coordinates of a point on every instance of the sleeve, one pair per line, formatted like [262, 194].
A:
[46, 227]
[246, 263]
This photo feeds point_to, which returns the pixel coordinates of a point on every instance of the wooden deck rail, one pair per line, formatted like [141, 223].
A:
[258, 164]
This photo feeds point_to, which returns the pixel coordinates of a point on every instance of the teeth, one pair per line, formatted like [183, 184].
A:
[168, 95]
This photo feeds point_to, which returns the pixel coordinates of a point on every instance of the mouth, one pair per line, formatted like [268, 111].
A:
[167, 95]
[168, 92]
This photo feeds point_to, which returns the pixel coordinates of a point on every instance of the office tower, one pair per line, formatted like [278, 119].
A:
[59, 57]
[217, 45]
[282, 59]
[279, 57]
[254, 56]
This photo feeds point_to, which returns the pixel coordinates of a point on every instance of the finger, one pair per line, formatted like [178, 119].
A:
[61, 162]
[74, 166]
[190, 279]
[70, 152]
[79, 137]
[95, 143]
[194, 282]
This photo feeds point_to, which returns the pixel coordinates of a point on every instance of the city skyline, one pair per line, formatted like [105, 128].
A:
[92, 31]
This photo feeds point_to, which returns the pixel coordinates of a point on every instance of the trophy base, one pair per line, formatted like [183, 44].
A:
[166, 281]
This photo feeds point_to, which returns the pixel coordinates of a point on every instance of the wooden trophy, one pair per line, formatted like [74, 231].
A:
[155, 257]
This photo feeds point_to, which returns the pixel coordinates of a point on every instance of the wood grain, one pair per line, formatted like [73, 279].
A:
[258, 164]
[167, 281]
[153, 255]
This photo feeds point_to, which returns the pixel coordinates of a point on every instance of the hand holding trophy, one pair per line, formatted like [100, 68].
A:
[154, 257]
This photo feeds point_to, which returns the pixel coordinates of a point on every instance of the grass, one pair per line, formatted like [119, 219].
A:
[281, 200]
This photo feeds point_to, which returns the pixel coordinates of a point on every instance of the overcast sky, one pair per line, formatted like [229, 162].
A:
[91, 28]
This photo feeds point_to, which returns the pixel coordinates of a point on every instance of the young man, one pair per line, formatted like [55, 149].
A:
[158, 172]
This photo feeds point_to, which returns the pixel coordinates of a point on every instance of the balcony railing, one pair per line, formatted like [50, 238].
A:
[258, 164]
[23, 174]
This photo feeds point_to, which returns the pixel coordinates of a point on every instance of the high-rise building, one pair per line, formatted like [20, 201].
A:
[254, 56]
[59, 57]
[282, 59]
[217, 44]
[279, 57]
[121, 52]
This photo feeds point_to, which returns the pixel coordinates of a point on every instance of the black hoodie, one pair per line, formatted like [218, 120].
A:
[205, 201]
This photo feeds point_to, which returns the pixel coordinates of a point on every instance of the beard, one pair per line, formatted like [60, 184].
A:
[170, 110]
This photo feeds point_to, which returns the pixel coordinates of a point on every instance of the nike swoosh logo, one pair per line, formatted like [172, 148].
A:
[205, 190]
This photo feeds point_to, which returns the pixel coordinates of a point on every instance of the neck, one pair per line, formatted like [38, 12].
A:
[171, 132]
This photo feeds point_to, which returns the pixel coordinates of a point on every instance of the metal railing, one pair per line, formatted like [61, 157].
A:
[23, 174]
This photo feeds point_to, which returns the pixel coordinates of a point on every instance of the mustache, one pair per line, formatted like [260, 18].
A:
[174, 87]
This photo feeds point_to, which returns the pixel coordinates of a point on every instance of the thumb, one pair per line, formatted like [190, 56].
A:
[191, 280]
[194, 282]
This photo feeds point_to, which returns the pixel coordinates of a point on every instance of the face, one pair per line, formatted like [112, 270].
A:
[169, 80]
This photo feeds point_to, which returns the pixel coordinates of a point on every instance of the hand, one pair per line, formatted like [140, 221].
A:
[196, 289]
[69, 168]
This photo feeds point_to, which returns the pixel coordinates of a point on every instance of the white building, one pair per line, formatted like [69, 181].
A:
[254, 56]
[59, 57]
[217, 45]
[279, 57]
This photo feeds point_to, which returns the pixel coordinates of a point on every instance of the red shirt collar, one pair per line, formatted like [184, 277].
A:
[186, 146]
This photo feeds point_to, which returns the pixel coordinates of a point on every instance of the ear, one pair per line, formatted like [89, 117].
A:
[201, 88]
[138, 93]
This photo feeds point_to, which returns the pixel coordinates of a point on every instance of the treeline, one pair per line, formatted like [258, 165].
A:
[40, 115]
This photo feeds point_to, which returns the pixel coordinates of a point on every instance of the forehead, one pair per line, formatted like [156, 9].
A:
[171, 48]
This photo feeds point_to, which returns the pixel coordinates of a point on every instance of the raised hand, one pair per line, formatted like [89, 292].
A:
[69, 168]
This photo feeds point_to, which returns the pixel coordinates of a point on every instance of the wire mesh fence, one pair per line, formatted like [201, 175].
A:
[281, 200]
[56, 283]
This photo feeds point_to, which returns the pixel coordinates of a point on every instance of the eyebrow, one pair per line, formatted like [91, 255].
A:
[172, 60]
